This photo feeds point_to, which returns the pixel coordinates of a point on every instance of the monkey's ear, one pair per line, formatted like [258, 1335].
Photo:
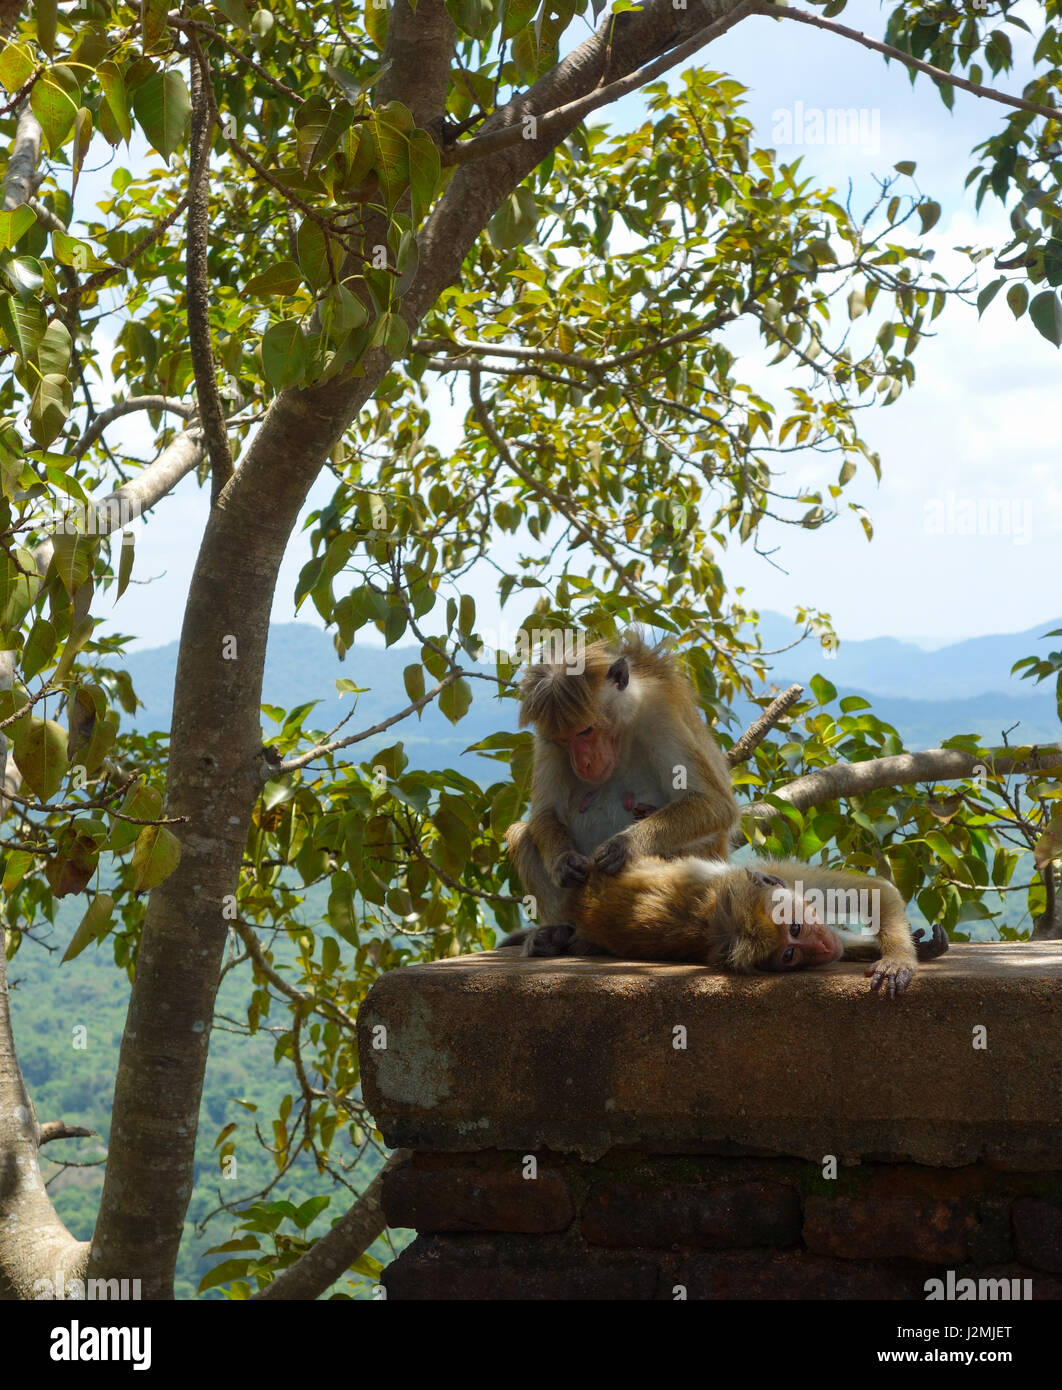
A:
[619, 673]
[765, 880]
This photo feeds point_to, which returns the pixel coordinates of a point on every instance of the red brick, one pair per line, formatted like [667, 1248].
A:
[709, 1215]
[472, 1198]
[512, 1268]
[1038, 1233]
[796, 1274]
[883, 1228]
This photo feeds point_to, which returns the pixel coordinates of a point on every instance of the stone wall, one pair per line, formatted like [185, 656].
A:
[608, 1129]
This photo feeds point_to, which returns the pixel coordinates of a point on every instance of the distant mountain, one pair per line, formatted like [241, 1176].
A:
[302, 666]
[892, 667]
[927, 696]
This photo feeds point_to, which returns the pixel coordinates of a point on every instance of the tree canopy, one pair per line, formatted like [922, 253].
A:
[345, 215]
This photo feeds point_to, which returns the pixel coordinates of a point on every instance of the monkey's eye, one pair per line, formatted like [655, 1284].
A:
[583, 733]
[794, 930]
[788, 956]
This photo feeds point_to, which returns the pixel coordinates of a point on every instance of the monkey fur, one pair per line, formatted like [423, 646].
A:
[768, 915]
[625, 767]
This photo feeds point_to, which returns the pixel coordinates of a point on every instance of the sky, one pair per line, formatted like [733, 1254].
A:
[968, 516]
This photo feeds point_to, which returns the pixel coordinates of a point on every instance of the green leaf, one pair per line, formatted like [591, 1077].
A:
[413, 679]
[985, 298]
[55, 109]
[377, 14]
[19, 583]
[25, 275]
[313, 254]
[329, 955]
[285, 356]
[50, 405]
[39, 649]
[53, 351]
[516, 14]
[1046, 313]
[153, 21]
[456, 700]
[311, 121]
[162, 107]
[157, 854]
[47, 15]
[391, 157]
[88, 704]
[92, 926]
[16, 66]
[112, 81]
[236, 11]
[40, 755]
[905, 166]
[222, 1273]
[142, 803]
[1018, 298]
[72, 558]
[283, 278]
[824, 692]
[929, 215]
[308, 1211]
[1049, 846]
[14, 223]
[515, 221]
[125, 562]
[392, 333]
[17, 866]
[79, 635]
[23, 324]
[424, 171]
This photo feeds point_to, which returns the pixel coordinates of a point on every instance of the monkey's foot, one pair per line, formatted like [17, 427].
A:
[935, 946]
[889, 976]
[550, 941]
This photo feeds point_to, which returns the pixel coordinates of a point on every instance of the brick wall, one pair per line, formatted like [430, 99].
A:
[639, 1226]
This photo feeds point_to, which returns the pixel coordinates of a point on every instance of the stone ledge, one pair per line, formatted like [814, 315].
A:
[493, 1051]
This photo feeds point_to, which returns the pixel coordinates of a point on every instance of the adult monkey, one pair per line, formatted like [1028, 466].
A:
[624, 768]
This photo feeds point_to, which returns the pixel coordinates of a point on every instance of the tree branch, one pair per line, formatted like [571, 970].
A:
[938, 74]
[572, 112]
[51, 1130]
[19, 180]
[602, 363]
[901, 769]
[314, 1003]
[759, 728]
[335, 1252]
[198, 284]
[127, 407]
[293, 764]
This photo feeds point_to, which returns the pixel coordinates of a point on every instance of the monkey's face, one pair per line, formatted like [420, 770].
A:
[800, 938]
[591, 752]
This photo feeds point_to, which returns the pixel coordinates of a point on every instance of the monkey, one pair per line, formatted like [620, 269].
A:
[771, 915]
[624, 768]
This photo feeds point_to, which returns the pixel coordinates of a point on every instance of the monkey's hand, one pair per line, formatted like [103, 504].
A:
[890, 976]
[570, 868]
[935, 946]
[612, 855]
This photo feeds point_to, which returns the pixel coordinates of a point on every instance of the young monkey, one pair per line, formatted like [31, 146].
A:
[770, 915]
